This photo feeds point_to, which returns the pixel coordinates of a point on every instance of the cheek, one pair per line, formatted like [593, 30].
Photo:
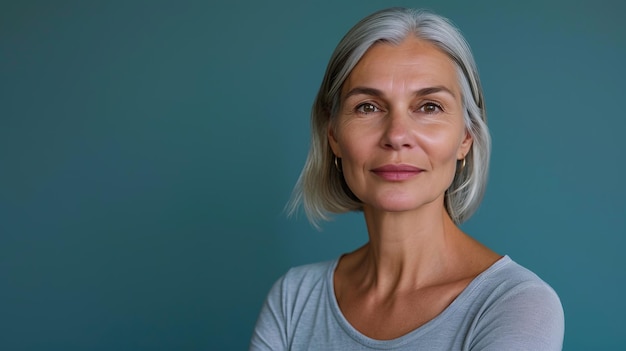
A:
[442, 146]
[352, 145]
[354, 159]
[358, 147]
[356, 155]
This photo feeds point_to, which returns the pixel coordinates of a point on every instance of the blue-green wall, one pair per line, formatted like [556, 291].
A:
[147, 149]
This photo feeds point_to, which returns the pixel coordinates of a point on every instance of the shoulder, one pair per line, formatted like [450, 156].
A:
[518, 308]
[507, 282]
[306, 275]
[507, 278]
[301, 281]
[311, 271]
[299, 290]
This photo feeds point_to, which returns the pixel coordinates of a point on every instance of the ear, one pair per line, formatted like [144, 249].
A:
[465, 146]
[332, 141]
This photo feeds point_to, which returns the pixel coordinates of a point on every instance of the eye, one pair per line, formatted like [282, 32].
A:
[430, 108]
[367, 108]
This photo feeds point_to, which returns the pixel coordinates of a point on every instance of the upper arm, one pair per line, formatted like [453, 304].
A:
[270, 329]
[529, 317]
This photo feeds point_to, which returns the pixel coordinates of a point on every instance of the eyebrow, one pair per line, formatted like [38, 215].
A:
[420, 92]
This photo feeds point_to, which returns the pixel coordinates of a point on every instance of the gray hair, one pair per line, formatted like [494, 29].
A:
[321, 188]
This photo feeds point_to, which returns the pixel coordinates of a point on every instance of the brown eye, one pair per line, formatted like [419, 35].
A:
[367, 108]
[430, 108]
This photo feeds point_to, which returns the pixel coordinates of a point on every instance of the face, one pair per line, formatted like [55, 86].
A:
[400, 130]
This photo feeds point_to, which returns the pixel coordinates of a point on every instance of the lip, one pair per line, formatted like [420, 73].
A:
[397, 172]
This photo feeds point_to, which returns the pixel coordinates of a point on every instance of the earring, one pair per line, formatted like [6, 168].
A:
[459, 170]
[337, 164]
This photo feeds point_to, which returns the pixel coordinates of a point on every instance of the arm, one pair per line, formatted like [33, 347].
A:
[270, 330]
[528, 317]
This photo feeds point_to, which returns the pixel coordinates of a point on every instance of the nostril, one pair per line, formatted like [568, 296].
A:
[397, 141]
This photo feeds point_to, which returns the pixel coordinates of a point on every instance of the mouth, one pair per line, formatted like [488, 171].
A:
[397, 172]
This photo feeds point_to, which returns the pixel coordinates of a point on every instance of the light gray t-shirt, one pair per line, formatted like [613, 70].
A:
[507, 307]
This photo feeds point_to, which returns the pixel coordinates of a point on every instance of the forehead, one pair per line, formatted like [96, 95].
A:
[413, 63]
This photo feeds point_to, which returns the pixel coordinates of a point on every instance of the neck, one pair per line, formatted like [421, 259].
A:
[408, 250]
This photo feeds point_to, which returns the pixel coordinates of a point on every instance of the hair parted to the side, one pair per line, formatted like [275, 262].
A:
[321, 188]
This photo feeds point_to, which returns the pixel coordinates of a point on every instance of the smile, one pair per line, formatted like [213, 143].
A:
[397, 172]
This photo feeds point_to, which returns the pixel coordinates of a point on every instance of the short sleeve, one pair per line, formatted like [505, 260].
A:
[527, 317]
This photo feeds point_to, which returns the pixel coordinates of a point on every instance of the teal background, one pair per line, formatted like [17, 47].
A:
[147, 149]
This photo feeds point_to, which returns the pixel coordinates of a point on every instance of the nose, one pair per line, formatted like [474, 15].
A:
[398, 131]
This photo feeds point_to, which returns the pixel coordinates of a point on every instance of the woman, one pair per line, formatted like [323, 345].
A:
[399, 133]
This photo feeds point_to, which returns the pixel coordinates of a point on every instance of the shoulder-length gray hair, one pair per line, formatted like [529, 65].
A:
[321, 188]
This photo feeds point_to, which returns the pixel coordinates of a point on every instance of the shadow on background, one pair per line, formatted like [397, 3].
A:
[147, 150]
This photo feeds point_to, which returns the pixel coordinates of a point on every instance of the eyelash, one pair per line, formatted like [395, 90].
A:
[359, 108]
[430, 104]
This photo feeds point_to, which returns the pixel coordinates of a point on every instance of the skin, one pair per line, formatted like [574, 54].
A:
[401, 105]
